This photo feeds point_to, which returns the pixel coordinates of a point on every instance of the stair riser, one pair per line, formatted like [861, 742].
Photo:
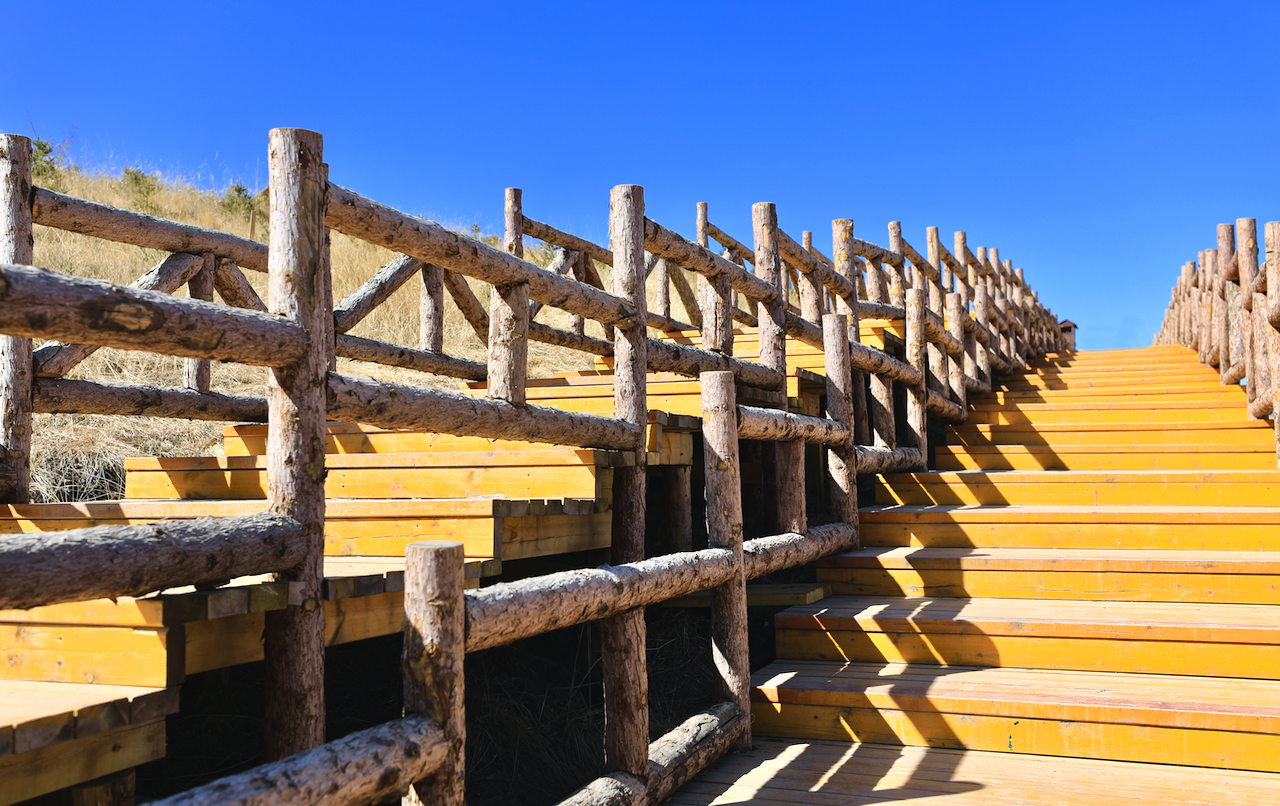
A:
[1087, 416]
[1152, 393]
[1033, 652]
[955, 459]
[1201, 748]
[1261, 437]
[1107, 536]
[1125, 494]
[1039, 584]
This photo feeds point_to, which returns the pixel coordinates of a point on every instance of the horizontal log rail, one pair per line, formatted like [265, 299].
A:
[780, 426]
[380, 352]
[551, 235]
[38, 303]
[921, 263]
[807, 263]
[665, 243]
[375, 291]
[52, 209]
[740, 252]
[74, 565]
[936, 333]
[877, 362]
[67, 396]
[374, 765]
[877, 460]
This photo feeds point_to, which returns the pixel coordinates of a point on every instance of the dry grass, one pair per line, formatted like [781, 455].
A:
[77, 457]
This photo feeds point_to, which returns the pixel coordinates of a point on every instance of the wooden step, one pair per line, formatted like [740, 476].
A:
[827, 773]
[1124, 575]
[1149, 394]
[1195, 721]
[1232, 488]
[157, 640]
[1196, 373]
[1237, 432]
[670, 440]
[1211, 640]
[1104, 385]
[1172, 412]
[56, 735]
[551, 473]
[1105, 457]
[1068, 527]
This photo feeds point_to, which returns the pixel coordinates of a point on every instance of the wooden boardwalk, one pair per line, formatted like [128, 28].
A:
[1081, 606]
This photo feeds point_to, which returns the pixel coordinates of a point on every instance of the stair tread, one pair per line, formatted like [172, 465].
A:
[36, 714]
[827, 773]
[1060, 559]
[1203, 703]
[1093, 476]
[1052, 513]
[1153, 621]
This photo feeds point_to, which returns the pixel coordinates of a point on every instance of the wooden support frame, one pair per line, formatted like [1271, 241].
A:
[16, 363]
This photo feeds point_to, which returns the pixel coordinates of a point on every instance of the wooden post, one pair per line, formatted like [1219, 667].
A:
[509, 317]
[576, 323]
[841, 461]
[195, 371]
[294, 637]
[431, 309]
[1227, 269]
[812, 305]
[662, 277]
[842, 258]
[939, 361]
[432, 665]
[790, 484]
[328, 330]
[715, 299]
[626, 687]
[917, 415]
[955, 326]
[680, 507]
[1271, 234]
[964, 286]
[16, 247]
[729, 647]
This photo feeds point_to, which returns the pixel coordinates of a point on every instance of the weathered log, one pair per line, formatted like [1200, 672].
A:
[878, 362]
[1247, 259]
[44, 568]
[548, 233]
[935, 332]
[472, 310]
[375, 291]
[921, 263]
[355, 215]
[45, 304]
[662, 282]
[679, 503]
[567, 338]
[413, 408]
[665, 323]
[666, 356]
[841, 460]
[729, 649]
[293, 638]
[234, 287]
[66, 396]
[432, 660]
[764, 555]
[917, 395]
[369, 766]
[431, 309]
[56, 359]
[948, 410]
[16, 362]
[508, 342]
[393, 355]
[879, 310]
[666, 243]
[808, 264]
[874, 459]
[737, 250]
[63, 212]
[780, 426]
[563, 599]
[562, 263]
[674, 759]
[845, 265]
[879, 254]
[195, 371]
[955, 375]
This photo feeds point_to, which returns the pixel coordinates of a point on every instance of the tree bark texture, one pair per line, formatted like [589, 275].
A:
[381, 352]
[434, 648]
[16, 362]
[44, 568]
[773, 425]
[431, 309]
[841, 459]
[664, 242]
[375, 291]
[293, 640]
[764, 555]
[917, 394]
[195, 371]
[67, 396]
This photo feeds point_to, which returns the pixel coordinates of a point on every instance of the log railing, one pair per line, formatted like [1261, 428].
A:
[1228, 311]
[299, 331]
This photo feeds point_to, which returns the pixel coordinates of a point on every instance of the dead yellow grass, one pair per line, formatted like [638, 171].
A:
[77, 457]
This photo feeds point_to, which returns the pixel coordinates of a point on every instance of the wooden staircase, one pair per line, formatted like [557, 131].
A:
[1082, 605]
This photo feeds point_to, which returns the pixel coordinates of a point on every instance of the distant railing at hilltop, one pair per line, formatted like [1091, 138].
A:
[955, 342]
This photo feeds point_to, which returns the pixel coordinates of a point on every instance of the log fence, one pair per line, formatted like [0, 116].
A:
[298, 332]
[1227, 309]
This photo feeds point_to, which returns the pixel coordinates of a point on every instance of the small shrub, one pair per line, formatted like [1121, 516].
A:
[45, 157]
[237, 199]
[141, 187]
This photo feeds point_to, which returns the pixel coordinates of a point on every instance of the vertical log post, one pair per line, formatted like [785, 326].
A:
[580, 270]
[1019, 349]
[939, 361]
[812, 305]
[773, 354]
[195, 371]
[715, 300]
[328, 335]
[964, 286]
[729, 647]
[1227, 326]
[16, 377]
[880, 404]
[431, 309]
[842, 257]
[294, 637]
[509, 317]
[1247, 265]
[680, 507]
[955, 369]
[842, 460]
[1271, 234]
[626, 687]
[917, 415]
[432, 660]
[662, 277]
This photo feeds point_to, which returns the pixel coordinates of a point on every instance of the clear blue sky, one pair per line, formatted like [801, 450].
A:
[1097, 144]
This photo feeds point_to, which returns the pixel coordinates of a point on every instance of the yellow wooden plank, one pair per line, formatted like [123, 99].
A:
[57, 766]
[129, 656]
[1103, 535]
[555, 534]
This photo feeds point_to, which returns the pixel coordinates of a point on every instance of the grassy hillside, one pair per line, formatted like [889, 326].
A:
[78, 457]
